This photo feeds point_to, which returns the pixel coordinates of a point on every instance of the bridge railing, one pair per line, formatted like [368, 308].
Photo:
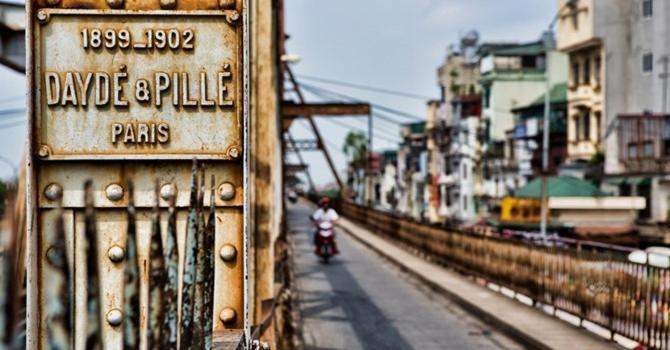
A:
[593, 281]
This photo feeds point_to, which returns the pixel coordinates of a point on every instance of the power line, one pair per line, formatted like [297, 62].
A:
[11, 125]
[353, 99]
[11, 111]
[365, 87]
[326, 95]
[351, 127]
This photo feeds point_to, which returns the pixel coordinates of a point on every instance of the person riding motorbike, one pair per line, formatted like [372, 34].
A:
[324, 213]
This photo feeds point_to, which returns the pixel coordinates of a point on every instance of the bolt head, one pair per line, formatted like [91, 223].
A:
[168, 191]
[44, 151]
[42, 16]
[234, 152]
[168, 4]
[115, 3]
[116, 254]
[53, 192]
[114, 192]
[227, 315]
[226, 191]
[115, 317]
[228, 253]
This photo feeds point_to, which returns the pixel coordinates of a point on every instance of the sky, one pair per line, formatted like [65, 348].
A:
[392, 44]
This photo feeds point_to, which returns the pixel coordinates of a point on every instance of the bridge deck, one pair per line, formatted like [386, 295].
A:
[361, 301]
[531, 326]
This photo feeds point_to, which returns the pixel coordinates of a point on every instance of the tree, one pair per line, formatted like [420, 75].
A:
[355, 148]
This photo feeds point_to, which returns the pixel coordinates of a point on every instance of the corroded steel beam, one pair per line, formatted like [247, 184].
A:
[296, 110]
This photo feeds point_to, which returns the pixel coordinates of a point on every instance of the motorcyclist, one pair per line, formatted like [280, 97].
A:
[324, 213]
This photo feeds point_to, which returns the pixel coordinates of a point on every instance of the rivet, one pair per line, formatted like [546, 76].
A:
[115, 3]
[227, 315]
[44, 151]
[231, 16]
[116, 254]
[226, 3]
[115, 317]
[228, 252]
[226, 191]
[42, 16]
[234, 152]
[168, 191]
[53, 192]
[114, 192]
[168, 4]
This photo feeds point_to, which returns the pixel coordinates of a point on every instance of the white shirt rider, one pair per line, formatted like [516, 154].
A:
[325, 215]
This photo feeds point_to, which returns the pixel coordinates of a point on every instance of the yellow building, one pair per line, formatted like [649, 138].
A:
[577, 37]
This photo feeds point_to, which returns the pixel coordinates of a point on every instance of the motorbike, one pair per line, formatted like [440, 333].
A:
[325, 240]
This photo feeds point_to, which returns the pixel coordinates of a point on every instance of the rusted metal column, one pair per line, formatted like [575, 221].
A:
[125, 91]
[157, 274]
[131, 309]
[171, 288]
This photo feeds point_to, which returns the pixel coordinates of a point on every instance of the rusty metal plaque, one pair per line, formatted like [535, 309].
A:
[137, 85]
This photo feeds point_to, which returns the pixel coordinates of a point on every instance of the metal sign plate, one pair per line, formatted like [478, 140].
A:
[138, 85]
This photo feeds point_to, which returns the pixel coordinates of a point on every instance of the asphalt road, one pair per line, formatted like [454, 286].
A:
[361, 301]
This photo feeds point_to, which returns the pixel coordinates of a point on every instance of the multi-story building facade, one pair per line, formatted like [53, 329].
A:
[618, 101]
[528, 134]
[512, 76]
[412, 170]
[448, 129]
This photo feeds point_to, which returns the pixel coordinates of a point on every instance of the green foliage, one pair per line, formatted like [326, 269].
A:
[355, 147]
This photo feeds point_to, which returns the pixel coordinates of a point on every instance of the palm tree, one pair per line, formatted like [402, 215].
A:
[355, 147]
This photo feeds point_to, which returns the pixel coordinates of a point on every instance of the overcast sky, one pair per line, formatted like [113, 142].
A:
[394, 44]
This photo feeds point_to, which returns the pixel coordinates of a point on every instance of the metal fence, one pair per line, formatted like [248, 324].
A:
[593, 281]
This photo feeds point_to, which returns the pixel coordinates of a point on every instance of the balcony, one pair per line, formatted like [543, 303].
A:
[644, 142]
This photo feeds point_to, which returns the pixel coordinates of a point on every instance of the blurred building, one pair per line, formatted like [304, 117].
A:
[618, 95]
[528, 132]
[413, 170]
[513, 76]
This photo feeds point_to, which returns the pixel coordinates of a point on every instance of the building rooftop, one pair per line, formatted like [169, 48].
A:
[559, 186]
[526, 49]
[558, 94]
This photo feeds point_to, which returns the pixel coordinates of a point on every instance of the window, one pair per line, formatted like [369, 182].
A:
[647, 62]
[586, 124]
[597, 121]
[632, 150]
[647, 8]
[465, 203]
[597, 67]
[648, 149]
[575, 73]
[465, 171]
[586, 79]
[666, 138]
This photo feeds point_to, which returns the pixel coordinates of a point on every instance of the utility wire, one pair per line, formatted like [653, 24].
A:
[11, 111]
[374, 113]
[364, 87]
[353, 99]
[11, 125]
[351, 127]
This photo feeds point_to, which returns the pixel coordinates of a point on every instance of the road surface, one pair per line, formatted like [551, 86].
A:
[361, 301]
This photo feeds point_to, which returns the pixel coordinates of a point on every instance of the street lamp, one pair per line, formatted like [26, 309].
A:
[549, 44]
